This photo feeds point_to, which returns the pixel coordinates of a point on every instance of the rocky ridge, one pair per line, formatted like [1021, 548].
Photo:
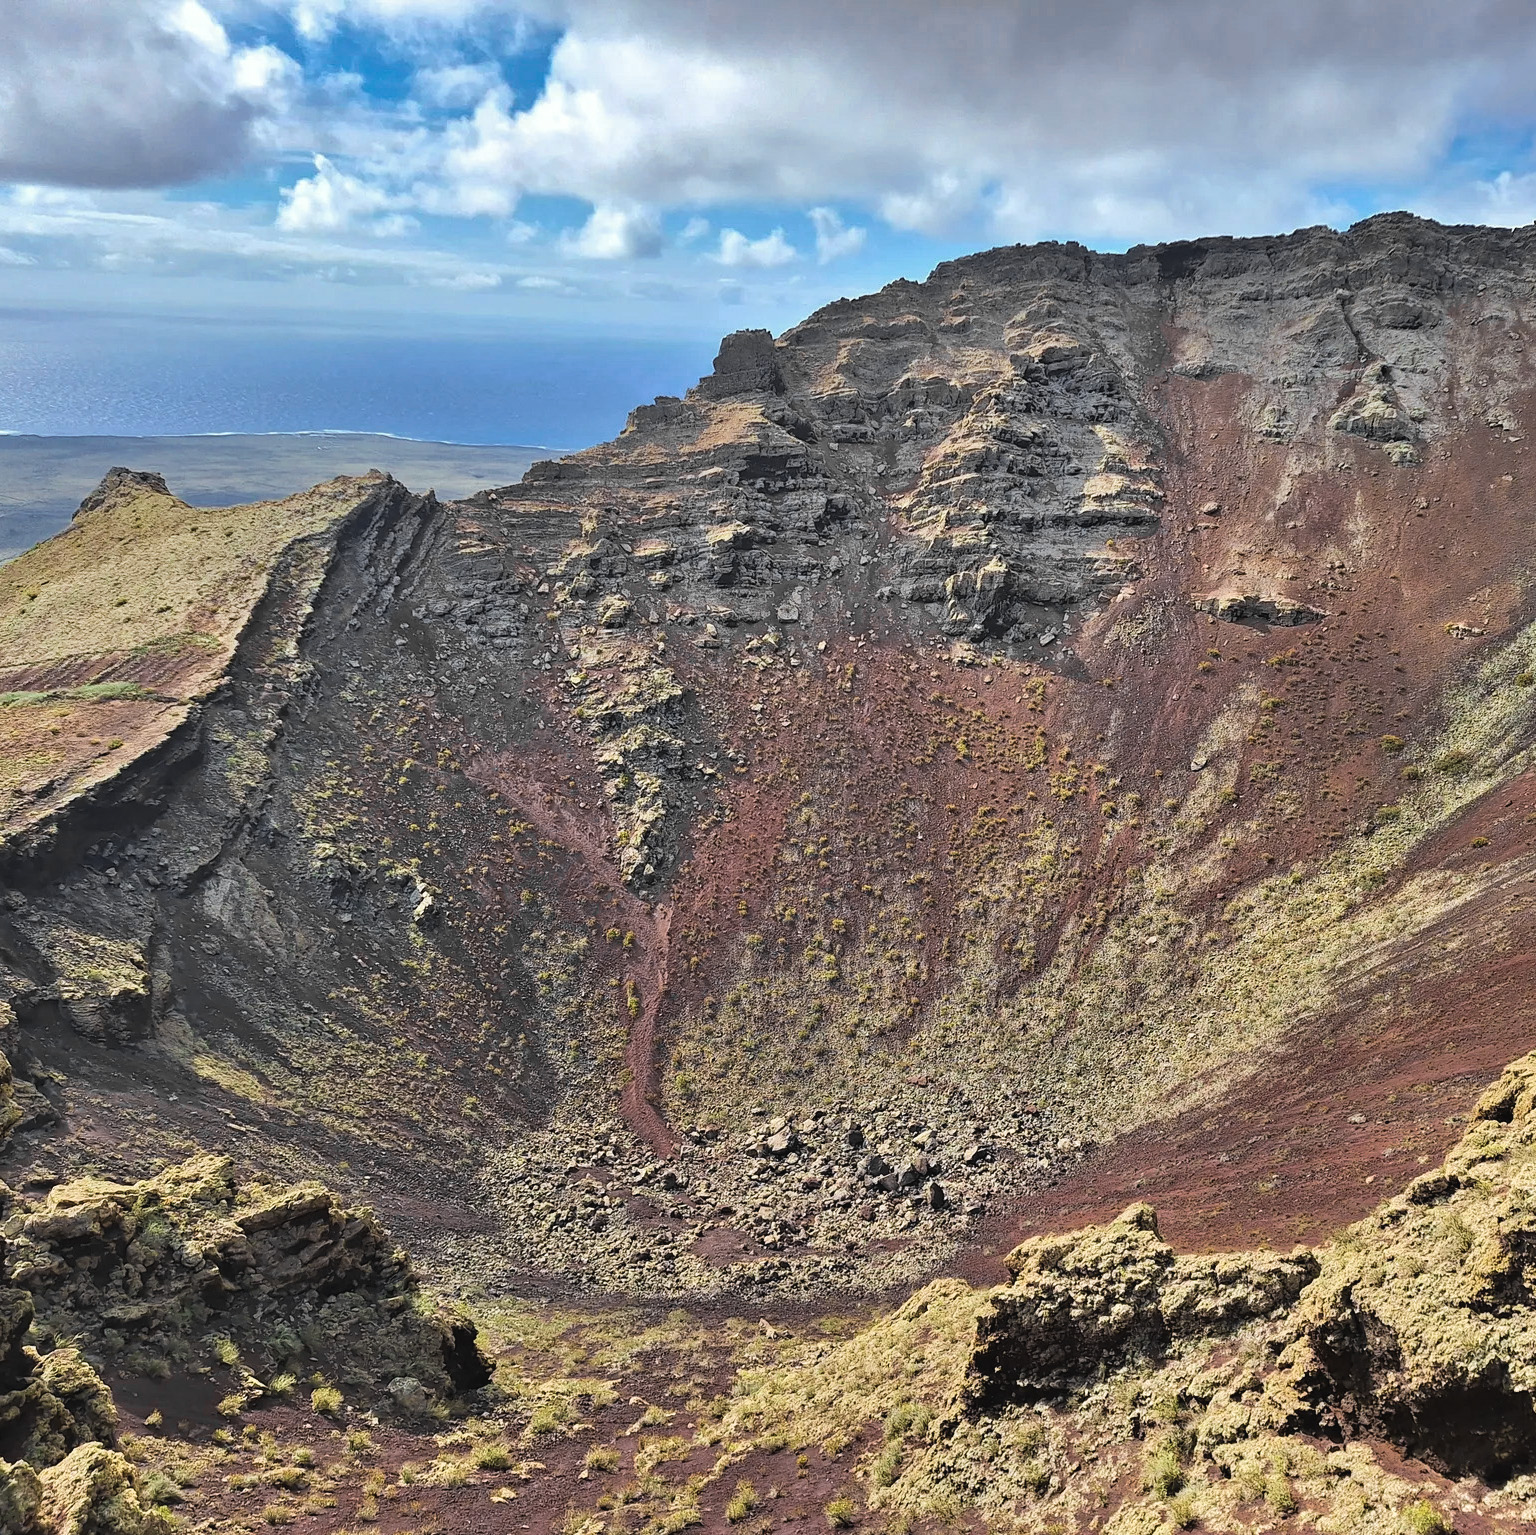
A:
[189, 1274]
[1113, 1384]
[1000, 709]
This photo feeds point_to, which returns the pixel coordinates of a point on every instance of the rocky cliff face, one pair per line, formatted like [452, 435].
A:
[1378, 1382]
[994, 716]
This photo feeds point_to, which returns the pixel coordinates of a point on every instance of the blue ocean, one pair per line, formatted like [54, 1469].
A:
[72, 375]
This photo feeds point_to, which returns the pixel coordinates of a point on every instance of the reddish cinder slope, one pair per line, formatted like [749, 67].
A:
[1073, 702]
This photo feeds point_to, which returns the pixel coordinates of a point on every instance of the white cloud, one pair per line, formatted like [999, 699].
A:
[1506, 199]
[617, 234]
[1110, 119]
[331, 201]
[833, 238]
[117, 93]
[108, 230]
[8, 257]
[737, 250]
[455, 85]
[316, 19]
[467, 282]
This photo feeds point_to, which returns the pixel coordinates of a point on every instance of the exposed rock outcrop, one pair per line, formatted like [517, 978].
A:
[137, 1267]
[1111, 1298]
[60, 1473]
[1247, 607]
[1418, 1326]
[1031, 686]
[1421, 1326]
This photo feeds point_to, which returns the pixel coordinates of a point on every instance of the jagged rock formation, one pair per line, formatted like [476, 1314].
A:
[147, 1269]
[1114, 1297]
[1420, 1327]
[984, 719]
[1111, 1384]
[149, 1275]
[60, 1473]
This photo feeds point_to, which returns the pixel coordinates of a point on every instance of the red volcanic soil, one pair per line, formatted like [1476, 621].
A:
[1349, 1109]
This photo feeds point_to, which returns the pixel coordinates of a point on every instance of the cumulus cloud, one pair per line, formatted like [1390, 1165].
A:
[455, 85]
[617, 234]
[128, 93]
[1107, 120]
[833, 237]
[1104, 118]
[770, 251]
[1505, 198]
[331, 201]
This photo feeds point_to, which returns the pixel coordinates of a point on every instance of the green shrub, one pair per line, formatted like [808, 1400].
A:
[1182, 1511]
[1164, 1475]
[1278, 1494]
[842, 1512]
[1423, 1518]
[743, 1501]
[159, 1489]
[325, 1399]
[906, 1418]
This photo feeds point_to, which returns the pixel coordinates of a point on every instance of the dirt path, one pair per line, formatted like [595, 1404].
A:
[557, 818]
[640, 1112]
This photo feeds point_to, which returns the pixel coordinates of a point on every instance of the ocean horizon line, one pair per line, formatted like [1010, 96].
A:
[323, 431]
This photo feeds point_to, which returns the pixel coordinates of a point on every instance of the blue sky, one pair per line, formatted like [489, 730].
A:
[677, 168]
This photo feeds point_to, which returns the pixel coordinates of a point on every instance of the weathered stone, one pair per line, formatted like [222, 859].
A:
[217, 1248]
[410, 1394]
[747, 364]
[1247, 607]
[21, 1495]
[1421, 1327]
[95, 1491]
[1114, 1294]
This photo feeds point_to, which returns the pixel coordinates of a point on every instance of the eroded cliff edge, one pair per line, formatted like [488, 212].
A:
[1004, 713]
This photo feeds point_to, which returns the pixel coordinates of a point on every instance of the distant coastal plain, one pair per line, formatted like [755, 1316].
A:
[43, 479]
